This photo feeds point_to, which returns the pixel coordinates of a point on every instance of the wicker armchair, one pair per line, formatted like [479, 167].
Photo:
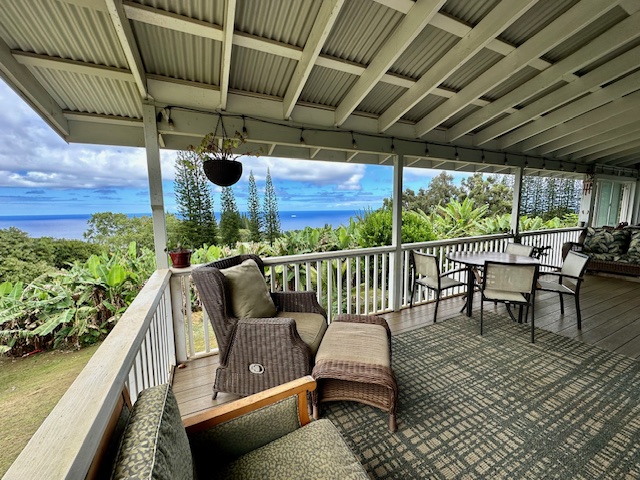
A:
[259, 353]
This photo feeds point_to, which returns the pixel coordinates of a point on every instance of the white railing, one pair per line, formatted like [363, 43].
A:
[141, 350]
[347, 281]
[138, 353]
[350, 281]
[551, 238]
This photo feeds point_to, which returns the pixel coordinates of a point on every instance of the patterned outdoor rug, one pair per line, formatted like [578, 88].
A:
[499, 407]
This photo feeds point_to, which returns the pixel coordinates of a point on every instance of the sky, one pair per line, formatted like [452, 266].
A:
[40, 174]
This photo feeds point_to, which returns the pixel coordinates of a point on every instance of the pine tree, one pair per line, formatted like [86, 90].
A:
[194, 201]
[270, 211]
[253, 207]
[229, 218]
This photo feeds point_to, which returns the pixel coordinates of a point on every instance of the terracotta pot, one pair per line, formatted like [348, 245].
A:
[223, 172]
[180, 259]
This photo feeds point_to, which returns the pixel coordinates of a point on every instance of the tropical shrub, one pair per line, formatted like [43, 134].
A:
[76, 307]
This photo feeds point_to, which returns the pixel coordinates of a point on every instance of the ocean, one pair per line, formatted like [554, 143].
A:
[73, 226]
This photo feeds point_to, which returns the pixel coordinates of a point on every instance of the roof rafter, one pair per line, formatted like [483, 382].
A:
[560, 29]
[618, 152]
[31, 91]
[227, 44]
[620, 136]
[327, 16]
[611, 70]
[629, 102]
[594, 100]
[488, 28]
[407, 30]
[618, 35]
[593, 135]
[128, 43]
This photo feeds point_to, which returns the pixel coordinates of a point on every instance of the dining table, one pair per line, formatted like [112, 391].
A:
[477, 259]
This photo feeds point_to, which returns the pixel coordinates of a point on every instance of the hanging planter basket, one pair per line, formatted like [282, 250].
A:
[222, 172]
[219, 158]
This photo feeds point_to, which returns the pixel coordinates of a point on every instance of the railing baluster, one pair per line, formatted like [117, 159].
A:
[339, 284]
[358, 284]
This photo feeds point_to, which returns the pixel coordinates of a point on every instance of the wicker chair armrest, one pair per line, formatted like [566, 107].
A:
[298, 302]
[222, 413]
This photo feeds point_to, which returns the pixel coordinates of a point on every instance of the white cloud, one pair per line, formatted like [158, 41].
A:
[346, 176]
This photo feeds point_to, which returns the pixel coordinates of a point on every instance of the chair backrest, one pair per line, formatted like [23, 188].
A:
[215, 295]
[519, 249]
[574, 264]
[510, 277]
[425, 265]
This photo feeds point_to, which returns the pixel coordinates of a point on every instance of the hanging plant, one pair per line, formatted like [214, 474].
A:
[219, 161]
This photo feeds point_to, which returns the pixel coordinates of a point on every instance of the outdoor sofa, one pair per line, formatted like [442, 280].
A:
[610, 250]
[265, 435]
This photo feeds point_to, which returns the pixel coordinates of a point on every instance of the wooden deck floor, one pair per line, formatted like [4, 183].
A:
[610, 320]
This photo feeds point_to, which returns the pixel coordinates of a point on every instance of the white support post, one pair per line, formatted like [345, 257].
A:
[517, 201]
[155, 183]
[395, 260]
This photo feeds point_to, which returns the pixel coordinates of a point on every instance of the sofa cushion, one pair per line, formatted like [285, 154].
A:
[154, 444]
[234, 438]
[613, 242]
[634, 244]
[603, 257]
[311, 452]
[250, 297]
[310, 327]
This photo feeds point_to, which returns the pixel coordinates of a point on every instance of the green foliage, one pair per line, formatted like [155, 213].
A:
[194, 200]
[115, 231]
[375, 228]
[491, 191]
[75, 307]
[458, 219]
[270, 213]
[229, 218]
[24, 258]
[254, 222]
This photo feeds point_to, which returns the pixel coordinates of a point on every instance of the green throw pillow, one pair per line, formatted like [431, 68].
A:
[250, 297]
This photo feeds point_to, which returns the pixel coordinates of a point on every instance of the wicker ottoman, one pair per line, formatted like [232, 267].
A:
[354, 363]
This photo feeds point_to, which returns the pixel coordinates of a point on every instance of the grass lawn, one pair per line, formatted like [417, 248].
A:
[29, 389]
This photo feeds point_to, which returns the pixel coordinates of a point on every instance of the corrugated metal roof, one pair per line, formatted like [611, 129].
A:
[88, 93]
[429, 47]
[481, 62]
[212, 12]
[58, 29]
[615, 53]
[584, 36]
[456, 117]
[360, 31]
[179, 55]
[289, 22]
[423, 107]
[326, 86]
[469, 12]
[544, 92]
[539, 16]
[82, 30]
[514, 81]
[259, 72]
[380, 98]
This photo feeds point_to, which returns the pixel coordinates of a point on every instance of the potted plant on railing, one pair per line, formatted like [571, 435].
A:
[180, 255]
[219, 161]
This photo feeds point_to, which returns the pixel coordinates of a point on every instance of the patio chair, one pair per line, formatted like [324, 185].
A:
[519, 249]
[511, 284]
[426, 272]
[265, 339]
[573, 269]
